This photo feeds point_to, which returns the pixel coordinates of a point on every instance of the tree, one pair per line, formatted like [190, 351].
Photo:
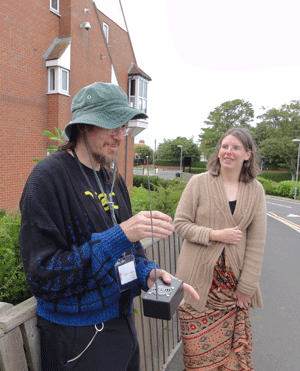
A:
[141, 151]
[169, 150]
[234, 113]
[274, 135]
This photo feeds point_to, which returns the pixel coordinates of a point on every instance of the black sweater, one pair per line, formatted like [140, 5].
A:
[70, 246]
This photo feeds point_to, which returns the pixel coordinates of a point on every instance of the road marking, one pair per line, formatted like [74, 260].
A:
[295, 226]
[272, 203]
[293, 216]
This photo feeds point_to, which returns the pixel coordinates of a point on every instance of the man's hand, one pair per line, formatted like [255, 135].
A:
[167, 279]
[139, 226]
[242, 300]
[231, 236]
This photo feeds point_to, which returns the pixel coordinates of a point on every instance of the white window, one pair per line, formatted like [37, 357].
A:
[58, 80]
[106, 31]
[138, 92]
[143, 95]
[54, 6]
[52, 79]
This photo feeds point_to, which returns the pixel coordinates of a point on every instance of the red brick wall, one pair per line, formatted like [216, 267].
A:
[27, 31]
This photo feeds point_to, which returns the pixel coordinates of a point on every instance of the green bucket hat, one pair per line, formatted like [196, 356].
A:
[101, 104]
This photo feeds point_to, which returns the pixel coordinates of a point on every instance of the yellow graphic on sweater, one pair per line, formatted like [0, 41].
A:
[103, 199]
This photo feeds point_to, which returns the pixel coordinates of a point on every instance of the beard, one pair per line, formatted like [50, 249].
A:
[106, 161]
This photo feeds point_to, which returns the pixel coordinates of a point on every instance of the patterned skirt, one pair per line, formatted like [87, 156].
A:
[220, 336]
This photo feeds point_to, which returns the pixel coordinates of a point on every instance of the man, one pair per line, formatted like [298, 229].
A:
[80, 243]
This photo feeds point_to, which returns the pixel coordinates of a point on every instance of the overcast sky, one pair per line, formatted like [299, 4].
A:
[201, 53]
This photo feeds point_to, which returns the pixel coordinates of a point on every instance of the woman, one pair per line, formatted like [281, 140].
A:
[222, 218]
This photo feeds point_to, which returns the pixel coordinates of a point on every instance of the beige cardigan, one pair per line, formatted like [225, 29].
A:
[204, 206]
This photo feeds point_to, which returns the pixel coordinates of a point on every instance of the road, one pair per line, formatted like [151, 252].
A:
[164, 174]
[276, 326]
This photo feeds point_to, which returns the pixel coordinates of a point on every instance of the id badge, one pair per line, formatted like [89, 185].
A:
[125, 272]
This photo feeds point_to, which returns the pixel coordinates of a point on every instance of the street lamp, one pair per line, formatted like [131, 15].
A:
[297, 169]
[180, 146]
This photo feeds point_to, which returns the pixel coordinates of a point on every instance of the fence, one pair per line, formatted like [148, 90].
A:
[19, 336]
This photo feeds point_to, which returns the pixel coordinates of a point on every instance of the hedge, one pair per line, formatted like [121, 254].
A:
[276, 176]
[197, 170]
[286, 189]
[269, 186]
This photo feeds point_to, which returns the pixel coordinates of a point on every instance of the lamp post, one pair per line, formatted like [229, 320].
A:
[180, 146]
[297, 169]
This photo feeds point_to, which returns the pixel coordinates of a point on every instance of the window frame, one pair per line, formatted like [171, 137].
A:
[52, 9]
[139, 101]
[106, 35]
[57, 81]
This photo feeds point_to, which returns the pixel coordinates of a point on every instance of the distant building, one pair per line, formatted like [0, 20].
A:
[140, 143]
[49, 51]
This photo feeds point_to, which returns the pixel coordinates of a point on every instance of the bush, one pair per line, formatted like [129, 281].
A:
[276, 176]
[167, 163]
[269, 186]
[286, 189]
[164, 196]
[139, 199]
[201, 164]
[166, 199]
[13, 286]
[197, 170]
[155, 181]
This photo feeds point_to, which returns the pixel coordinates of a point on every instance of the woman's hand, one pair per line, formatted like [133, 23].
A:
[166, 277]
[139, 226]
[242, 300]
[231, 236]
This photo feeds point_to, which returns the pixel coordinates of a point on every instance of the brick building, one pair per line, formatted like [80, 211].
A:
[50, 49]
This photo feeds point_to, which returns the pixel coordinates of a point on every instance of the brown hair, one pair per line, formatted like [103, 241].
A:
[250, 168]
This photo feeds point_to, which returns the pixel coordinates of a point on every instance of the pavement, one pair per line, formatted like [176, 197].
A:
[176, 363]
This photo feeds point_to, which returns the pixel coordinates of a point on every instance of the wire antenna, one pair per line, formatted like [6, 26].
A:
[150, 204]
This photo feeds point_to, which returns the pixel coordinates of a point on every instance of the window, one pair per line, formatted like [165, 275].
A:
[58, 80]
[138, 92]
[105, 30]
[143, 95]
[54, 6]
[51, 79]
[64, 80]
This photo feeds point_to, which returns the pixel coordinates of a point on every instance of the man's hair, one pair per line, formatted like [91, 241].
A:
[250, 168]
[77, 132]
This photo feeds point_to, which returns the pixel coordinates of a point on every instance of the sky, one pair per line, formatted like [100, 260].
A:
[201, 53]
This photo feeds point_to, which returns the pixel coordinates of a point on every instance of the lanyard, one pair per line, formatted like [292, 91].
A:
[110, 202]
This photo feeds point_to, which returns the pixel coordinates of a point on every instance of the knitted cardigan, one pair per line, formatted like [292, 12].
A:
[69, 245]
[204, 206]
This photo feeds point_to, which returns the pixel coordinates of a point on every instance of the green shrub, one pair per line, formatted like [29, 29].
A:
[13, 287]
[167, 163]
[286, 188]
[155, 181]
[139, 199]
[201, 164]
[197, 170]
[269, 186]
[164, 197]
[276, 176]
